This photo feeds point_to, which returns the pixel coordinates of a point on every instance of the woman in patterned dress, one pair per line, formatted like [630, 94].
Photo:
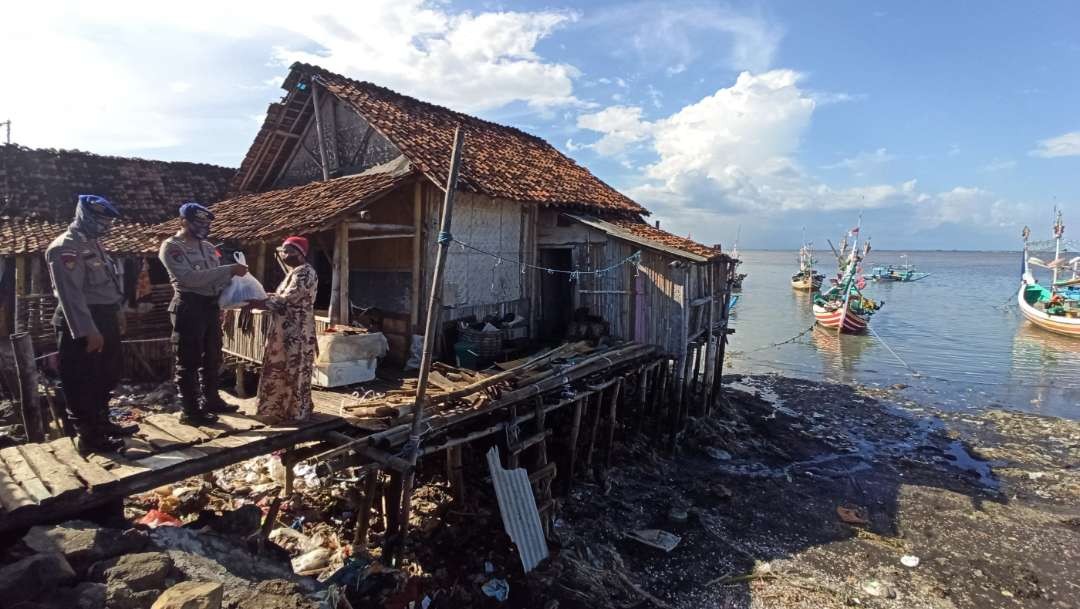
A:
[289, 356]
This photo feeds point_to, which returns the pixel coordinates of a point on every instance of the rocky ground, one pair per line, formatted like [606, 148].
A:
[793, 494]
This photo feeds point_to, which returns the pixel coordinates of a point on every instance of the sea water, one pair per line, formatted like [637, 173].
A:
[959, 333]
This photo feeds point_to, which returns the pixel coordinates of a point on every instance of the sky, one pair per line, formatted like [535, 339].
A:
[945, 125]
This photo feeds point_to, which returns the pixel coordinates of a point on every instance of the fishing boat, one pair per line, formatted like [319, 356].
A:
[897, 272]
[842, 306]
[1055, 307]
[807, 279]
[736, 282]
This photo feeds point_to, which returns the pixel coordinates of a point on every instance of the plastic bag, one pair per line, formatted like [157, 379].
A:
[241, 289]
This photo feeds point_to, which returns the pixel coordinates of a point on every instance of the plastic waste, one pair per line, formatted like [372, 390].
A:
[157, 518]
[316, 559]
[909, 561]
[498, 589]
[241, 290]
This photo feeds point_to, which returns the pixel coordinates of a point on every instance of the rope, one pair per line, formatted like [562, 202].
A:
[632, 258]
[774, 345]
[886, 345]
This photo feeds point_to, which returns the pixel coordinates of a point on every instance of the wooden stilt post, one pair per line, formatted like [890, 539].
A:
[613, 407]
[241, 382]
[431, 321]
[22, 348]
[455, 473]
[363, 516]
[575, 434]
[288, 460]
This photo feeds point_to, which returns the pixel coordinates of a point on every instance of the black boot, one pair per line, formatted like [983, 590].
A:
[197, 417]
[213, 403]
[97, 441]
[117, 430]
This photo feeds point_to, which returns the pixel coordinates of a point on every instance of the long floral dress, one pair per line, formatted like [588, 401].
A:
[285, 383]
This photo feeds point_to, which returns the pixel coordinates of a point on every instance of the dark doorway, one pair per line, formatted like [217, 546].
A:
[556, 293]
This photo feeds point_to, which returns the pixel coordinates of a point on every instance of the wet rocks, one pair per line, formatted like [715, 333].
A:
[83, 543]
[191, 595]
[28, 578]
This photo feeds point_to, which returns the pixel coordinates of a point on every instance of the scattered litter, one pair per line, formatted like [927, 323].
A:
[874, 588]
[661, 540]
[157, 518]
[315, 560]
[718, 454]
[909, 561]
[851, 515]
[517, 506]
[498, 589]
[678, 515]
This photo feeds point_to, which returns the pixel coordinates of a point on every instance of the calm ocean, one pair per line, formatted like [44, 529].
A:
[959, 329]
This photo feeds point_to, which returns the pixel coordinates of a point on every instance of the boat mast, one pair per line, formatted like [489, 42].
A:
[849, 275]
[1059, 230]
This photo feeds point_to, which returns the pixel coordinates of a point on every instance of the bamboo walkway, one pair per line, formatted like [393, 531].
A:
[51, 481]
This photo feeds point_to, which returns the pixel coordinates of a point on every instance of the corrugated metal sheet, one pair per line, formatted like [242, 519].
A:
[518, 508]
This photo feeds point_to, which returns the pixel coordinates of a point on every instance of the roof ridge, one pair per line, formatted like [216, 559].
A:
[380, 88]
[75, 151]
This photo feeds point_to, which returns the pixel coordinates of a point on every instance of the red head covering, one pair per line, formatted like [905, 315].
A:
[299, 243]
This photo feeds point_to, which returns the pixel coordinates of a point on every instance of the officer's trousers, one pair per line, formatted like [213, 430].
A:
[87, 379]
[196, 341]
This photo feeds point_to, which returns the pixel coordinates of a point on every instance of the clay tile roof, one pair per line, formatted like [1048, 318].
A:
[42, 184]
[305, 209]
[25, 236]
[639, 231]
[499, 161]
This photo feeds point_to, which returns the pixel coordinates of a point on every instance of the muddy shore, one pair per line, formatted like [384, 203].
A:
[804, 494]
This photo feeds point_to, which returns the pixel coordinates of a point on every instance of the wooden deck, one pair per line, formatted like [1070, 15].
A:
[50, 481]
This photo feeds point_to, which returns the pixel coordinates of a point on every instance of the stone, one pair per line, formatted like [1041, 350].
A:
[90, 595]
[32, 576]
[120, 596]
[84, 543]
[141, 571]
[191, 595]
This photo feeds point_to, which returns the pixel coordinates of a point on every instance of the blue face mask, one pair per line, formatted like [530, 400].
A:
[199, 230]
[94, 216]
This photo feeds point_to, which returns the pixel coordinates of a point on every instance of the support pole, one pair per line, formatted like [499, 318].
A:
[431, 321]
[22, 348]
[319, 130]
[344, 307]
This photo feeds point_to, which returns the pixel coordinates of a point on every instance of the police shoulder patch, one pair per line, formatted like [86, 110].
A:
[68, 258]
[176, 254]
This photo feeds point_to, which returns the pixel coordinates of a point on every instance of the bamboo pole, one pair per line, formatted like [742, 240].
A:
[22, 349]
[344, 307]
[431, 321]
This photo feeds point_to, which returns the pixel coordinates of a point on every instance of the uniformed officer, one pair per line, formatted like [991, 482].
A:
[87, 283]
[198, 278]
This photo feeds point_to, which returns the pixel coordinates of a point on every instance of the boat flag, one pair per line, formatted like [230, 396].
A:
[854, 231]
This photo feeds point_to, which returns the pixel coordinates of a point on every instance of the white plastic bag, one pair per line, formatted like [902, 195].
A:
[241, 289]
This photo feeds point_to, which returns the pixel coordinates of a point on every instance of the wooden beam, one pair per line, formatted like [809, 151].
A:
[343, 268]
[418, 215]
[377, 237]
[323, 163]
[22, 348]
[408, 228]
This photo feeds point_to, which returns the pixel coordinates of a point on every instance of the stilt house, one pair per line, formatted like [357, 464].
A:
[360, 170]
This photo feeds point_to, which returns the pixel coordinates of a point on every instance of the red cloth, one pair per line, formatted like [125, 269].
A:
[299, 243]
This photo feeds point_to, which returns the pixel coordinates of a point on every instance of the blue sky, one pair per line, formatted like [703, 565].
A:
[948, 125]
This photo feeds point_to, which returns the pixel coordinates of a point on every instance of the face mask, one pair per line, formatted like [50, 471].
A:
[199, 230]
[91, 223]
[292, 259]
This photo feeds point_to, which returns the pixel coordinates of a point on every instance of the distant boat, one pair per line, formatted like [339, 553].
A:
[807, 279]
[842, 306]
[1055, 308]
[897, 272]
[736, 282]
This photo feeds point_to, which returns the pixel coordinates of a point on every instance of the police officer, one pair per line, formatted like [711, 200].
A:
[198, 278]
[87, 283]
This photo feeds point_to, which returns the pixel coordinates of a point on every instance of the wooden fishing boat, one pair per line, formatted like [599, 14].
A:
[1055, 308]
[737, 279]
[842, 306]
[902, 272]
[807, 279]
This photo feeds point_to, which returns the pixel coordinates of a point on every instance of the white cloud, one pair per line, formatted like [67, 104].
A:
[862, 161]
[1066, 144]
[733, 153]
[673, 36]
[621, 126]
[119, 101]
